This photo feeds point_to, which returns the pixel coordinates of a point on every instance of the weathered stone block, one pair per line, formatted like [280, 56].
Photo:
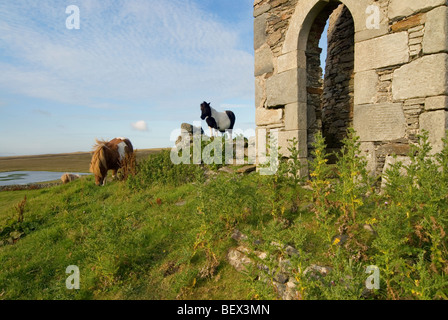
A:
[284, 138]
[368, 151]
[382, 52]
[263, 61]
[436, 123]
[409, 23]
[435, 38]
[265, 117]
[403, 8]
[423, 77]
[291, 60]
[260, 35]
[260, 94]
[261, 9]
[366, 87]
[380, 122]
[399, 149]
[283, 89]
[296, 116]
[390, 161]
[436, 103]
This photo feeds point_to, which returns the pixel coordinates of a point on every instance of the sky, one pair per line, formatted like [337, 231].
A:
[134, 68]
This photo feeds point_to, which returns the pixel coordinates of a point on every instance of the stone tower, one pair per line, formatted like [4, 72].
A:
[386, 72]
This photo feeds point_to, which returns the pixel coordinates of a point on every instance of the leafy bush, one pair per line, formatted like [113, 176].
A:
[159, 169]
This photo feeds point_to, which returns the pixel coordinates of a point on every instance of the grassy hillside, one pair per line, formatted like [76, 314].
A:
[165, 233]
[128, 245]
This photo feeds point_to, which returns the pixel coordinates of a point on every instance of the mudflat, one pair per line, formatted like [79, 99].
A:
[64, 162]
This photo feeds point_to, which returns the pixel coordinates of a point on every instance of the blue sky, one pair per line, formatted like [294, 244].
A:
[135, 68]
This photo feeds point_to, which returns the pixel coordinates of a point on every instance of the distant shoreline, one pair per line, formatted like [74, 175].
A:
[63, 162]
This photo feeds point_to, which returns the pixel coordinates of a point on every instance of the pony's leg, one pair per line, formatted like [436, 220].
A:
[211, 132]
[230, 133]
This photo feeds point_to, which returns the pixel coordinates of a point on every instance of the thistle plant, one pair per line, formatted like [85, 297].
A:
[320, 178]
[353, 178]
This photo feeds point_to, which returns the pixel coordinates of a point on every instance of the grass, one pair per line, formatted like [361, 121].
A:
[164, 234]
[127, 245]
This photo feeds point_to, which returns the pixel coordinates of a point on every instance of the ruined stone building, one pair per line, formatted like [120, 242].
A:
[386, 72]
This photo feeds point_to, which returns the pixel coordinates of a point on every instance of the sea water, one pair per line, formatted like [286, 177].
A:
[27, 177]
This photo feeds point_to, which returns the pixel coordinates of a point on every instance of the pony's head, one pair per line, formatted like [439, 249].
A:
[206, 110]
[98, 165]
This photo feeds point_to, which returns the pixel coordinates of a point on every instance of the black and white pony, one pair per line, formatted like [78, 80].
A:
[219, 121]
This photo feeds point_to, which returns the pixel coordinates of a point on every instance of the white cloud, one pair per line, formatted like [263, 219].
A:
[140, 126]
[169, 54]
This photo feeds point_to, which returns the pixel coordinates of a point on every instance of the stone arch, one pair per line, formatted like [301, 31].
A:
[310, 18]
[330, 99]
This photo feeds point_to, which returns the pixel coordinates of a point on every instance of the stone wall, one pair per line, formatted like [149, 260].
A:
[338, 94]
[390, 83]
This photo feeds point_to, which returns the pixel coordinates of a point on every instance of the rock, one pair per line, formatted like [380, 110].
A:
[436, 29]
[278, 93]
[263, 61]
[247, 169]
[181, 203]
[370, 229]
[68, 177]
[313, 269]
[260, 35]
[365, 87]
[226, 170]
[436, 123]
[281, 278]
[291, 251]
[436, 103]
[400, 8]
[424, 70]
[279, 274]
[380, 122]
[290, 292]
[238, 236]
[265, 116]
[390, 161]
[238, 258]
[383, 52]
[189, 128]
[190, 131]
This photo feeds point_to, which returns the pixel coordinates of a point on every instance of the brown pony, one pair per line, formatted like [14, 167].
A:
[110, 155]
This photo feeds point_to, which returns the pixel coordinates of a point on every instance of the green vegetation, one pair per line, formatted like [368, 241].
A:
[165, 232]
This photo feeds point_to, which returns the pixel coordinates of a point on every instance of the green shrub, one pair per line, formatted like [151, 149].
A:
[159, 169]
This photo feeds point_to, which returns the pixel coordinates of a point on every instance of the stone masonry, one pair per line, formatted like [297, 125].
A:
[386, 72]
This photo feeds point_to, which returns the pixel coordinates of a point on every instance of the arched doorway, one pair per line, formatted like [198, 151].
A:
[330, 94]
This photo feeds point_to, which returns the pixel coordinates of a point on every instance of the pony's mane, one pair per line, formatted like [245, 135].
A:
[98, 158]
